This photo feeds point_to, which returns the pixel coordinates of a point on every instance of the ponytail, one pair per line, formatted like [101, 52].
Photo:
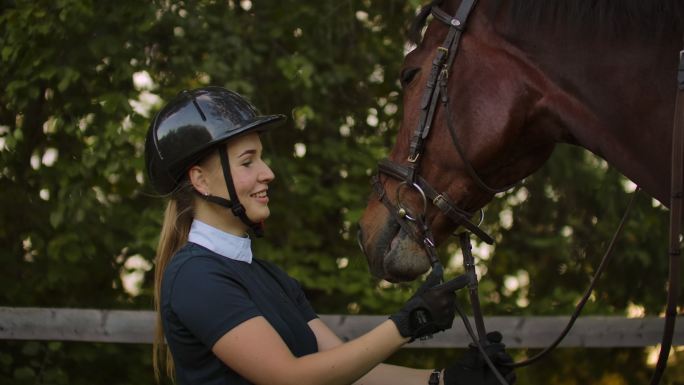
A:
[174, 234]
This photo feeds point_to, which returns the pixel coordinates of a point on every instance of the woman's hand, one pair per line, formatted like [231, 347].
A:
[432, 307]
[471, 368]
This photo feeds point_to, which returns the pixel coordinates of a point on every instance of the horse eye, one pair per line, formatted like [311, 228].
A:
[408, 74]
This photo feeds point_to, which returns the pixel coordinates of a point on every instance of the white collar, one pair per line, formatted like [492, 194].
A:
[228, 245]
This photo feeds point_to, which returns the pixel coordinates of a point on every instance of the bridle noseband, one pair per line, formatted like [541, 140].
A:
[416, 226]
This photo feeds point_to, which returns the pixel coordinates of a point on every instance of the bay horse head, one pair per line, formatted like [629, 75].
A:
[510, 91]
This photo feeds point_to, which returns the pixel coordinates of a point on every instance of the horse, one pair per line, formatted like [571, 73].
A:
[528, 75]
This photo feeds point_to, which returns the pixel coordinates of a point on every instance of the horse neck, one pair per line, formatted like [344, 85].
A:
[614, 98]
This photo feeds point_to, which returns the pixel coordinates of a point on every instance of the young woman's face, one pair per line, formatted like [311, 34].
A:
[251, 175]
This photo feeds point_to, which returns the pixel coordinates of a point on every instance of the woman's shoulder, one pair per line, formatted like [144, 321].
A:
[277, 272]
[194, 260]
[193, 266]
[193, 252]
[271, 267]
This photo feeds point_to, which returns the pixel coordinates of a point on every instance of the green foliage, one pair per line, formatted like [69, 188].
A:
[76, 207]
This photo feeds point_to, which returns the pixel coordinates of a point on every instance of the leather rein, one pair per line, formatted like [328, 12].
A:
[417, 228]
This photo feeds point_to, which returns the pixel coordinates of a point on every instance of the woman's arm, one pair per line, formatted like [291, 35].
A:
[382, 374]
[256, 351]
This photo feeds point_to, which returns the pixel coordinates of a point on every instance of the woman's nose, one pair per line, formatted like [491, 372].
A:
[266, 174]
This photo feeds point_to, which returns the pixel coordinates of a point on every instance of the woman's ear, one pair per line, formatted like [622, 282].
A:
[198, 178]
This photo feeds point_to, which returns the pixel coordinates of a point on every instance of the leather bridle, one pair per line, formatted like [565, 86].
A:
[435, 92]
[415, 225]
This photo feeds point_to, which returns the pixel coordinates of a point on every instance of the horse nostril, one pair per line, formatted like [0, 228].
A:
[359, 239]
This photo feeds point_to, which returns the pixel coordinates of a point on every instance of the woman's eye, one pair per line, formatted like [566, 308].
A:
[407, 75]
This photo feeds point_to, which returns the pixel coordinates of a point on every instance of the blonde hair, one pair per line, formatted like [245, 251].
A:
[174, 234]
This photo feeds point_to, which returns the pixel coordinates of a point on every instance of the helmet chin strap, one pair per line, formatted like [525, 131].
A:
[234, 203]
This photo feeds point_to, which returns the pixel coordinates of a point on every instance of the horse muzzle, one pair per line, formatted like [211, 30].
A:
[392, 254]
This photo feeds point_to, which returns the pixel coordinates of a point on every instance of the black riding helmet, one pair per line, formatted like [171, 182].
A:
[192, 125]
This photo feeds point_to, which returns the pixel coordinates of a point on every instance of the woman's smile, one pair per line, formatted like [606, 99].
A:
[261, 196]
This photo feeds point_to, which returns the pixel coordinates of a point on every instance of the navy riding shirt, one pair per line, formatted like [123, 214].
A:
[209, 289]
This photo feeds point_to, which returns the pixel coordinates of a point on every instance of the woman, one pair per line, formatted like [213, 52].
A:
[229, 318]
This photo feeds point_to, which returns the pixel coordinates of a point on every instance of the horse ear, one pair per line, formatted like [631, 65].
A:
[416, 29]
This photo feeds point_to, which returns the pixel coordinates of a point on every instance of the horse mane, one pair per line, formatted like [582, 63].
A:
[608, 18]
[612, 18]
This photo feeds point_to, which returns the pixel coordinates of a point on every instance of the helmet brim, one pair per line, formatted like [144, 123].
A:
[259, 124]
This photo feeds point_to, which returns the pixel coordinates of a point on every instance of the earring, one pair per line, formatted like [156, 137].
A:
[206, 194]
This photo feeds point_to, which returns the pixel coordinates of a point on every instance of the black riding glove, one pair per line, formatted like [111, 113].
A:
[471, 368]
[432, 307]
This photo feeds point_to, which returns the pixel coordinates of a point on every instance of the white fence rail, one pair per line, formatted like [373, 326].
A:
[126, 326]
